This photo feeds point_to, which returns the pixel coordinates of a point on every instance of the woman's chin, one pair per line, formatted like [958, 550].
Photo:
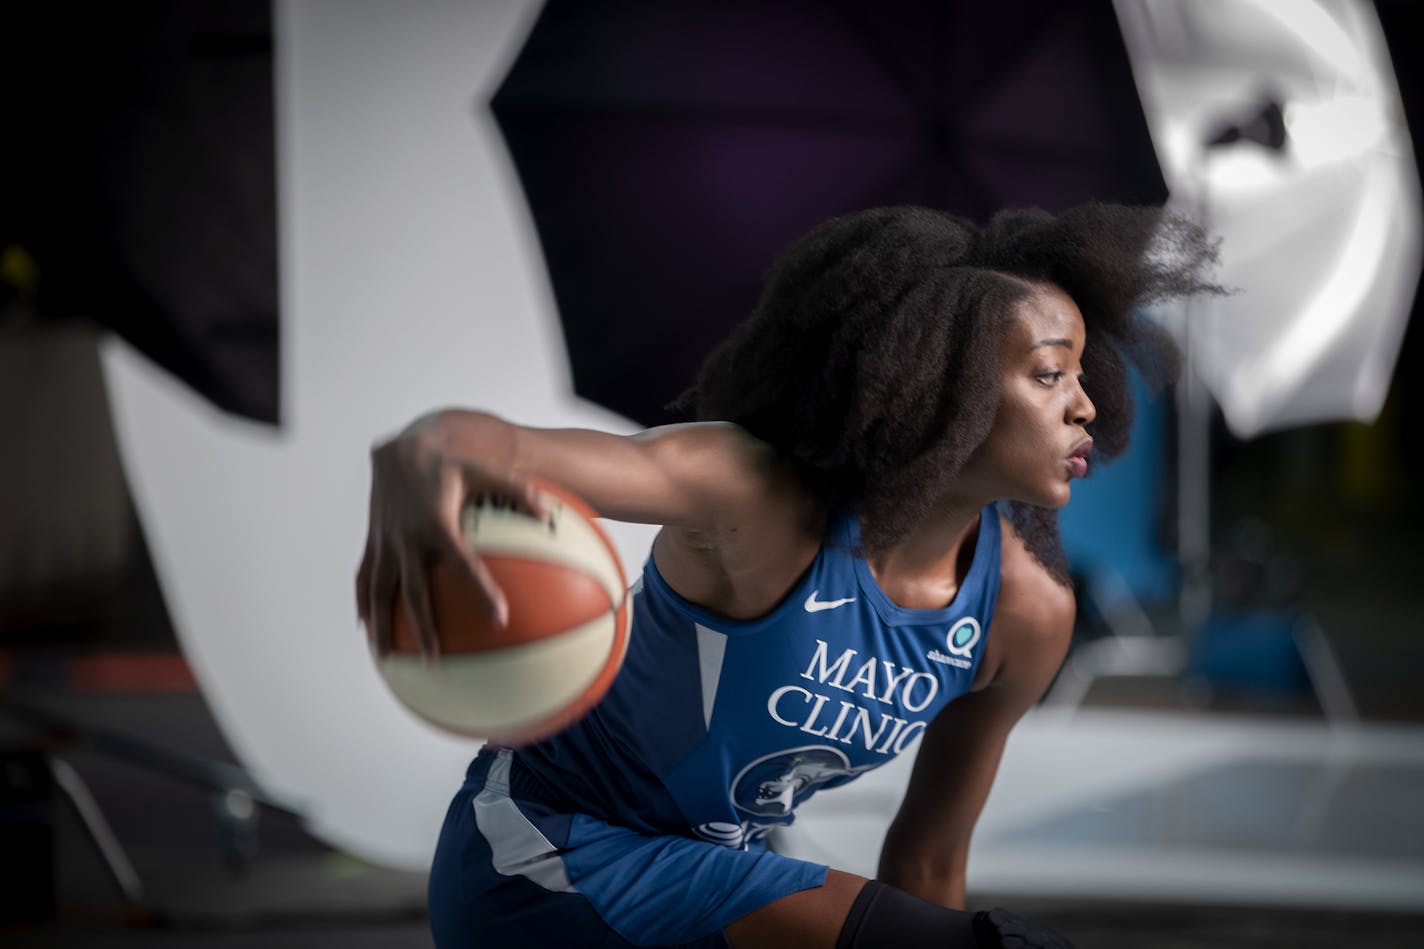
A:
[1053, 499]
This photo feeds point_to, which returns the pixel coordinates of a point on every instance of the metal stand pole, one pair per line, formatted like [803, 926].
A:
[101, 835]
[1193, 487]
[1194, 405]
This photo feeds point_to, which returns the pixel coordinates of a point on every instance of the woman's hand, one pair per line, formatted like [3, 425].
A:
[418, 488]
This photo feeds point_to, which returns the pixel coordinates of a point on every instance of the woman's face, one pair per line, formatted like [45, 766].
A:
[1039, 441]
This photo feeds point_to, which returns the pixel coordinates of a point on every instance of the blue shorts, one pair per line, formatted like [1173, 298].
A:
[514, 872]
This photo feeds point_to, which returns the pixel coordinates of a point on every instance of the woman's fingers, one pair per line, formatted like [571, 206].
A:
[363, 586]
[415, 519]
[452, 492]
[415, 597]
[494, 596]
[534, 504]
[459, 485]
[384, 577]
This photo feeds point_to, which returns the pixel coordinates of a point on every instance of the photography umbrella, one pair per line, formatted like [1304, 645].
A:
[138, 179]
[1282, 125]
[669, 152]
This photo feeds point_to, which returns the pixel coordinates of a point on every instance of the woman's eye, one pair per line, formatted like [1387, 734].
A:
[1051, 377]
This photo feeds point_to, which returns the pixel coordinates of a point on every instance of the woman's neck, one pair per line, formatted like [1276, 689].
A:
[925, 569]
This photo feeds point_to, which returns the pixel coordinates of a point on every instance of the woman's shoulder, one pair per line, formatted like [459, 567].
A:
[749, 473]
[1032, 602]
[725, 447]
[767, 528]
[1032, 624]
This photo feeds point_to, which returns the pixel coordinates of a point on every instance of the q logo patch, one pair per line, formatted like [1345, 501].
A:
[962, 638]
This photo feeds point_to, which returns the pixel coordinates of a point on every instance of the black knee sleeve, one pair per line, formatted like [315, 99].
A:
[883, 917]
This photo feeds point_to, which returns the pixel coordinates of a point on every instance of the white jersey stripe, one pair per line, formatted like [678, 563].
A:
[711, 648]
[517, 847]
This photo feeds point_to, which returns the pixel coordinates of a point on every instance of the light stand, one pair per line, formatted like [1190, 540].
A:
[1266, 128]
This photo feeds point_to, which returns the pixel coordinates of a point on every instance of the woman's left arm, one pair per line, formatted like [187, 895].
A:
[926, 848]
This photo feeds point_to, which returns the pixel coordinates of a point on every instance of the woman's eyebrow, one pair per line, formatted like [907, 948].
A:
[1066, 344]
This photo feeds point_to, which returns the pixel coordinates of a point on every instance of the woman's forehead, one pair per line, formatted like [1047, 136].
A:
[1048, 315]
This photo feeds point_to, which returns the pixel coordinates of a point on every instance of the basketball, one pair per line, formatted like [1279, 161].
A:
[564, 642]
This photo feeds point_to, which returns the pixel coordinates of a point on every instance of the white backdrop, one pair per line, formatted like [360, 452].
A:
[411, 279]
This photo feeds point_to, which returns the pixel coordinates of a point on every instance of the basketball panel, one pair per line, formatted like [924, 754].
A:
[571, 537]
[505, 691]
[544, 600]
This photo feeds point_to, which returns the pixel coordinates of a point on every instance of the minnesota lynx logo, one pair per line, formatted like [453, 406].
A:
[772, 786]
[768, 790]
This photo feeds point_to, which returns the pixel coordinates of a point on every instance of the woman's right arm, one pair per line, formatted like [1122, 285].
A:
[710, 478]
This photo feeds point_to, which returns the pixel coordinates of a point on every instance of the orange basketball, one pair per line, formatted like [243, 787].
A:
[565, 640]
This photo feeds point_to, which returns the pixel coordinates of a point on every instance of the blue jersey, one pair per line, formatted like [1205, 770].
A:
[718, 728]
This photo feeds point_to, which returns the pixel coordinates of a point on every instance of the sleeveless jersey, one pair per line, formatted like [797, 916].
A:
[719, 728]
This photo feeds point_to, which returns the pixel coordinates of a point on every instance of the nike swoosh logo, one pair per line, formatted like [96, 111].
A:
[814, 605]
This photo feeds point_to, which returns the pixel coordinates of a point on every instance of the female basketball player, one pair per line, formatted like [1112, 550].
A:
[859, 553]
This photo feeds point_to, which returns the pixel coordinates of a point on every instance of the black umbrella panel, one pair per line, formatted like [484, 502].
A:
[669, 152]
[139, 181]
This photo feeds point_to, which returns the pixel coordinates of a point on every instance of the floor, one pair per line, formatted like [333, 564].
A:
[1300, 844]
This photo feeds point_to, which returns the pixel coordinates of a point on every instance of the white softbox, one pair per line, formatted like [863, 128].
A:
[1321, 235]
